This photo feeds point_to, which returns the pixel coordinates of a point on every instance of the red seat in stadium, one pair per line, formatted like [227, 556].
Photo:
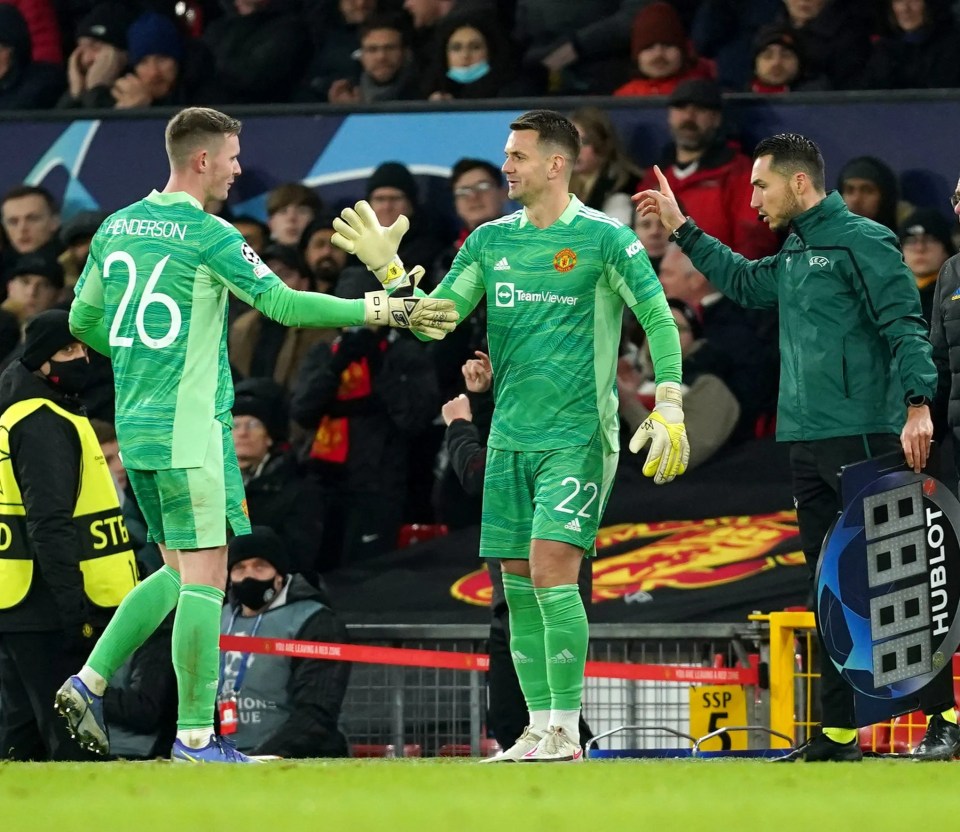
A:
[364, 750]
[875, 738]
[419, 532]
[907, 732]
[488, 747]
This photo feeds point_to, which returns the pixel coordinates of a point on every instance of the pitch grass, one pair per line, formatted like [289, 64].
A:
[462, 796]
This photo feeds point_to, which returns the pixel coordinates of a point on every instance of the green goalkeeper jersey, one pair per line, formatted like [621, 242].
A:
[161, 269]
[555, 301]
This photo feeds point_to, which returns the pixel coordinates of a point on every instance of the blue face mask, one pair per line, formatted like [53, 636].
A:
[468, 74]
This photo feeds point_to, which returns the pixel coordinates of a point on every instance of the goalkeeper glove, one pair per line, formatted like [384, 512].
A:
[664, 430]
[358, 232]
[433, 317]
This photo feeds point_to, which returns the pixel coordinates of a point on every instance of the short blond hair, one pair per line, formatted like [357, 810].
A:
[193, 128]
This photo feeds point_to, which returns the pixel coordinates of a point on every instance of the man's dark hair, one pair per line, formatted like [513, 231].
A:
[792, 152]
[552, 128]
[466, 165]
[386, 20]
[32, 190]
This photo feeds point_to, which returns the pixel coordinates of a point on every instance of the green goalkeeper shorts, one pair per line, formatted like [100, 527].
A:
[545, 495]
[190, 508]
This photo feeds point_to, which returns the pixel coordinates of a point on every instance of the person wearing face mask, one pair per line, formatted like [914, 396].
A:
[471, 60]
[276, 705]
[67, 562]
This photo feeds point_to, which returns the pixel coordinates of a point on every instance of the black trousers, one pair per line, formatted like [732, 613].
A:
[32, 668]
[815, 467]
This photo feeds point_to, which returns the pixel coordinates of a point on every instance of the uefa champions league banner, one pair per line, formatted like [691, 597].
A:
[888, 585]
[105, 164]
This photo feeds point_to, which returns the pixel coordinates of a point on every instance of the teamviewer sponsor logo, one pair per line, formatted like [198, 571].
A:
[505, 294]
[509, 295]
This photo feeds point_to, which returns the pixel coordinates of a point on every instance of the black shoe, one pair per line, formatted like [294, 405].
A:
[822, 749]
[941, 742]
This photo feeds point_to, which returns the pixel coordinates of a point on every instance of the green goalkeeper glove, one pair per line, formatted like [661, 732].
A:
[433, 317]
[664, 430]
[358, 232]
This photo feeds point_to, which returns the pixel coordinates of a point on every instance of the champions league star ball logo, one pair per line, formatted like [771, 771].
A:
[888, 585]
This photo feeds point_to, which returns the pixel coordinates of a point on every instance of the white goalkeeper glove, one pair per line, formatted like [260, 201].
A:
[358, 232]
[664, 430]
[433, 317]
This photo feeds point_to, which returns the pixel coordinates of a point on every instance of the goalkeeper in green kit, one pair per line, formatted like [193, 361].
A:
[557, 276]
[153, 297]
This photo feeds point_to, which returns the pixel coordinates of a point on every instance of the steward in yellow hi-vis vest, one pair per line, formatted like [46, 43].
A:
[65, 556]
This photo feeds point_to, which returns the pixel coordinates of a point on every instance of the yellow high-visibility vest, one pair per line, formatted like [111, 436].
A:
[107, 562]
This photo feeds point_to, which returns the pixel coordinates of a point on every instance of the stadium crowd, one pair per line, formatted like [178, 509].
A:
[142, 53]
[324, 422]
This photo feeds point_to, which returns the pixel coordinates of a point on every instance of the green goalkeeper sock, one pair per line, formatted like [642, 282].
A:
[526, 641]
[139, 614]
[566, 635]
[196, 654]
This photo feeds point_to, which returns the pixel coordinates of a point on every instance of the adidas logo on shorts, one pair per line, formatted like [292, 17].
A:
[574, 525]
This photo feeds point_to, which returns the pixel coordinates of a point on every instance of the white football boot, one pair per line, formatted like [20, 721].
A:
[556, 746]
[526, 742]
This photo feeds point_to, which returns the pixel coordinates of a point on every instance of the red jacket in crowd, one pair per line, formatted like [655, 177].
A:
[717, 196]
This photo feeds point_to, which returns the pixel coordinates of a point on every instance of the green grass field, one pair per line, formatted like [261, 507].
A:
[462, 796]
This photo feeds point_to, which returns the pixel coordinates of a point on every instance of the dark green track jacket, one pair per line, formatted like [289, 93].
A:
[853, 343]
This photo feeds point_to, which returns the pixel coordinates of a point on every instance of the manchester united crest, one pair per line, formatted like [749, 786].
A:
[564, 260]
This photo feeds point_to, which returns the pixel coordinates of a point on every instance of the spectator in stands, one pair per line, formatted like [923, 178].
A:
[256, 233]
[75, 236]
[778, 64]
[919, 51]
[744, 361]
[100, 57]
[392, 191]
[471, 60]
[46, 43]
[834, 36]
[355, 398]
[389, 70]
[335, 33]
[25, 84]
[290, 209]
[323, 259]
[927, 245]
[278, 495]
[724, 31]
[604, 177]
[261, 347]
[34, 286]
[258, 49]
[31, 218]
[284, 707]
[869, 187]
[654, 238]
[479, 195]
[576, 48]
[714, 409]
[157, 54]
[662, 53]
[709, 175]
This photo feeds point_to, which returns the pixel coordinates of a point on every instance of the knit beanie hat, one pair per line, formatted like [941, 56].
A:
[262, 542]
[393, 175]
[657, 23]
[46, 333]
[154, 34]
